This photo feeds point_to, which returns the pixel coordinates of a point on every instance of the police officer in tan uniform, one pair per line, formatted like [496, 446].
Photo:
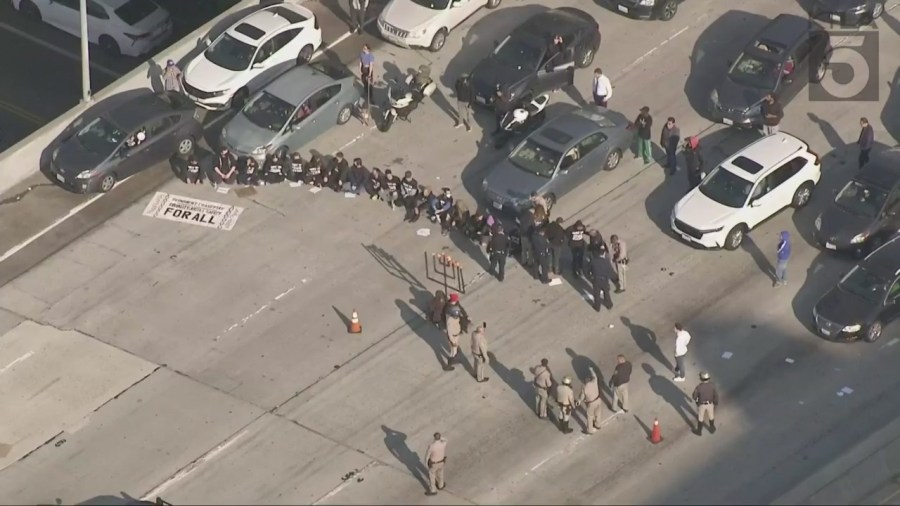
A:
[565, 399]
[435, 457]
[543, 381]
[620, 260]
[590, 397]
[707, 398]
[479, 352]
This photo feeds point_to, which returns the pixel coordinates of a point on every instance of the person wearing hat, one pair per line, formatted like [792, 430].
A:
[707, 398]
[498, 250]
[463, 89]
[590, 397]
[480, 352]
[543, 381]
[644, 124]
[171, 77]
[193, 174]
[456, 322]
[224, 170]
[565, 399]
[693, 161]
[577, 235]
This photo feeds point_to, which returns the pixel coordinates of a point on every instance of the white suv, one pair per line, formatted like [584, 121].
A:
[749, 187]
[426, 23]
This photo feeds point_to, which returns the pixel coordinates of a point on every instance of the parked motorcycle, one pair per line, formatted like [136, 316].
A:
[403, 99]
[526, 116]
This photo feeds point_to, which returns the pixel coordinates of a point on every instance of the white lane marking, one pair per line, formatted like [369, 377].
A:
[59, 51]
[334, 492]
[539, 464]
[643, 57]
[17, 361]
[891, 342]
[190, 468]
[262, 308]
[72, 212]
[282, 294]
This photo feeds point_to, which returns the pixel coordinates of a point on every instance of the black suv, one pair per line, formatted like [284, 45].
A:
[847, 12]
[865, 300]
[662, 10]
[782, 58]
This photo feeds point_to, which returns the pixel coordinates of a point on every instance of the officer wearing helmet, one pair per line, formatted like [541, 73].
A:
[565, 399]
[707, 398]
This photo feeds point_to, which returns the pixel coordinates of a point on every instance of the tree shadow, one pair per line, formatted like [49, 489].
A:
[668, 391]
[831, 135]
[762, 261]
[155, 74]
[647, 341]
[582, 366]
[514, 379]
[396, 443]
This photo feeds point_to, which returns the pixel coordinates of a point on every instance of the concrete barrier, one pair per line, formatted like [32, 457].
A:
[22, 160]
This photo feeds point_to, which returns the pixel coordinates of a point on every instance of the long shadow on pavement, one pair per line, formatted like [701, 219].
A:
[514, 379]
[762, 261]
[432, 336]
[668, 391]
[124, 499]
[582, 366]
[395, 441]
[647, 341]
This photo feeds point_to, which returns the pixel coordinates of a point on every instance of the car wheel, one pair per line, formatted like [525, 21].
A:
[305, 55]
[734, 238]
[802, 195]
[585, 57]
[873, 332]
[240, 98]
[613, 159]
[668, 10]
[108, 182]
[440, 38]
[345, 114]
[878, 10]
[30, 11]
[186, 146]
[493, 4]
[819, 75]
[109, 45]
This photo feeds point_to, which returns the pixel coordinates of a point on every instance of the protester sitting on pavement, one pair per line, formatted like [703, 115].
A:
[294, 173]
[249, 175]
[193, 173]
[358, 177]
[339, 172]
[440, 210]
[390, 188]
[459, 216]
[273, 169]
[224, 170]
[423, 202]
[313, 174]
[375, 183]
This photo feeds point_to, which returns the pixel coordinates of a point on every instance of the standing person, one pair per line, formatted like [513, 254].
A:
[620, 260]
[865, 141]
[597, 247]
[359, 175]
[224, 170]
[295, 168]
[782, 255]
[193, 174]
[590, 397]
[273, 169]
[435, 457]
[602, 273]
[502, 105]
[602, 88]
[538, 200]
[541, 254]
[644, 124]
[682, 339]
[367, 71]
[526, 232]
[707, 398]
[554, 53]
[463, 88]
[543, 381]
[565, 399]
[480, 352]
[618, 382]
[772, 113]
[498, 249]
[436, 308]
[693, 161]
[671, 136]
[577, 245]
[171, 77]
[556, 235]
[358, 15]
[390, 189]
[409, 188]
[455, 323]
[250, 175]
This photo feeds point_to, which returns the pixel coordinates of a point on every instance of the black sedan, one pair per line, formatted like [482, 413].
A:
[663, 10]
[866, 212]
[522, 62]
[103, 147]
[782, 58]
[847, 12]
[865, 300]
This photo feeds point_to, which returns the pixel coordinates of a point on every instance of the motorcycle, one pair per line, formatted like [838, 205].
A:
[527, 115]
[403, 100]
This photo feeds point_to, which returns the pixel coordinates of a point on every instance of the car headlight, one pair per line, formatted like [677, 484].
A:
[858, 238]
[647, 2]
[818, 223]
[420, 32]
[852, 328]
[85, 174]
[55, 155]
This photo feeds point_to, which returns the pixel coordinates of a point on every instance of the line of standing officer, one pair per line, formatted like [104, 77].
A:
[498, 249]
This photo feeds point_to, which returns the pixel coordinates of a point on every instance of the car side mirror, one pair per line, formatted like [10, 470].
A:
[755, 203]
[259, 65]
[455, 3]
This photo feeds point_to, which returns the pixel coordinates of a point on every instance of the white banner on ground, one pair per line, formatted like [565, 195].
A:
[192, 211]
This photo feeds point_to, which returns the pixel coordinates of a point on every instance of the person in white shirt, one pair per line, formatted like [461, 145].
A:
[682, 338]
[602, 88]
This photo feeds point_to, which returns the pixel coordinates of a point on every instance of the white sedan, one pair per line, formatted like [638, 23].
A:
[426, 23]
[222, 76]
[119, 27]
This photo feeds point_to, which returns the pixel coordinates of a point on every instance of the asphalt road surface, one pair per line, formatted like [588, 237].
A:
[164, 359]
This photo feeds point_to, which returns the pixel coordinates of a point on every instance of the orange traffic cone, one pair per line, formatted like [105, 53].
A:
[354, 327]
[656, 435]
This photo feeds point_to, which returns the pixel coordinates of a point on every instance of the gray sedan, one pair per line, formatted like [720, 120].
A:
[558, 157]
[291, 111]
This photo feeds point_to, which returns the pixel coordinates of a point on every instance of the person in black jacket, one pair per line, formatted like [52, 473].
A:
[193, 173]
[577, 245]
[602, 273]
[375, 183]
[294, 168]
[643, 123]
[224, 169]
[556, 235]
[273, 169]
[390, 188]
[502, 105]
[498, 249]
[249, 175]
[339, 172]
[359, 175]
[541, 254]
[693, 161]
[314, 174]
[409, 188]
[463, 90]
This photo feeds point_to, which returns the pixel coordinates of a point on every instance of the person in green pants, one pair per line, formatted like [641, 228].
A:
[643, 123]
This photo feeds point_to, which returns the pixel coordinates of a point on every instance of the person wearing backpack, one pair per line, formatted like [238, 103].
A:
[693, 160]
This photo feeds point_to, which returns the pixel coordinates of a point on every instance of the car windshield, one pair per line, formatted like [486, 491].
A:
[100, 137]
[865, 284]
[268, 111]
[535, 159]
[135, 11]
[437, 5]
[230, 53]
[518, 53]
[726, 188]
[861, 199]
[755, 72]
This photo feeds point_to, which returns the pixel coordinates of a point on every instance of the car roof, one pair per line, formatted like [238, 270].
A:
[769, 151]
[883, 170]
[297, 83]
[267, 20]
[131, 115]
[565, 131]
[546, 24]
[884, 261]
[785, 30]
[113, 4]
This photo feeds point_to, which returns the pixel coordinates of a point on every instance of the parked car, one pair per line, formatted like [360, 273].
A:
[119, 27]
[558, 157]
[746, 189]
[847, 12]
[519, 62]
[426, 23]
[222, 76]
[663, 10]
[865, 300]
[291, 111]
[104, 147]
[866, 212]
[782, 58]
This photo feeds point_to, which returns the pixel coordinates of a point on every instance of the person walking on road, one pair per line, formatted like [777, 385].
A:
[682, 339]
[463, 88]
[455, 323]
[693, 161]
[644, 124]
[707, 398]
[619, 384]
[171, 77]
[620, 260]
[601, 89]
[435, 458]
[498, 250]
[865, 141]
[565, 399]
[577, 245]
[480, 352]
[669, 139]
[772, 114]
[783, 254]
[543, 382]
[590, 397]
[358, 15]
